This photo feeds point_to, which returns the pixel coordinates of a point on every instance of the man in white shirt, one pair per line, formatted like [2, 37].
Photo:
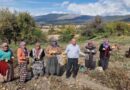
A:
[73, 52]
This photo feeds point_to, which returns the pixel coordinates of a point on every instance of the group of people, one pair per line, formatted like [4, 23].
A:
[53, 55]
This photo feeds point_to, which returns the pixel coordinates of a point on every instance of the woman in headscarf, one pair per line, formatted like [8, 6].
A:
[37, 55]
[90, 51]
[23, 60]
[52, 51]
[104, 50]
[6, 62]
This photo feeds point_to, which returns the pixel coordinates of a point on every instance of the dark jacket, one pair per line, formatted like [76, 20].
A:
[41, 54]
[104, 53]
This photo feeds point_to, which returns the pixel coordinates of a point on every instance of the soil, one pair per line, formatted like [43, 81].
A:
[82, 82]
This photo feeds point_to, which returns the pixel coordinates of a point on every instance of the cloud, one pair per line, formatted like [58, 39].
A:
[36, 11]
[39, 7]
[58, 12]
[101, 7]
[126, 2]
[65, 3]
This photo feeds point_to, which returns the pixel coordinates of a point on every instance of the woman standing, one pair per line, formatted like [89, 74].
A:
[104, 50]
[52, 63]
[90, 51]
[6, 62]
[23, 59]
[37, 55]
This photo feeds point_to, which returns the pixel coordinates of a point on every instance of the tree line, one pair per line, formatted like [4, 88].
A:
[96, 28]
[99, 27]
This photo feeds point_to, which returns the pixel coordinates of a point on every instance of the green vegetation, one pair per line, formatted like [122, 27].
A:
[101, 29]
[18, 26]
[67, 33]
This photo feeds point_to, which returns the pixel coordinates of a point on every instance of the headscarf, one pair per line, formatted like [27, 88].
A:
[22, 43]
[4, 44]
[106, 44]
[90, 44]
[54, 43]
[24, 49]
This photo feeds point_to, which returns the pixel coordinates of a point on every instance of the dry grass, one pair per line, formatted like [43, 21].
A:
[116, 78]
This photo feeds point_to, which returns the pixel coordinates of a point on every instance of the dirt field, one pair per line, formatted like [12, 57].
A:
[92, 80]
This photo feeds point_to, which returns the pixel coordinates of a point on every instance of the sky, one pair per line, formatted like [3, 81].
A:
[82, 7]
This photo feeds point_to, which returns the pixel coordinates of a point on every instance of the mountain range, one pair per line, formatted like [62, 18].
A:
[75, 19]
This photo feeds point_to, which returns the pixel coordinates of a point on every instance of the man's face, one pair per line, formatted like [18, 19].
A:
[73, 42]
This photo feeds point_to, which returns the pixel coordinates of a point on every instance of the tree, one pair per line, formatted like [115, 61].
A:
[38, 35]
[26, 25]
[8, 25]
[97, 24]
[16, 26]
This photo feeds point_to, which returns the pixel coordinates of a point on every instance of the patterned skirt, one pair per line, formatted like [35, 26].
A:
[23, 71]
[38, 67]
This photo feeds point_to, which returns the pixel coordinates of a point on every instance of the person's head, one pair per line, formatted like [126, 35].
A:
[37, 45]
[23, 44]
[90, 44]
[54, 43]
[73, 41]
[5, 46]
[106, 41]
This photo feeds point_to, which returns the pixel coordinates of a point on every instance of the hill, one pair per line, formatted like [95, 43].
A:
[75, 19]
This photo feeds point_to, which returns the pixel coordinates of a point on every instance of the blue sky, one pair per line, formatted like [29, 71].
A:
[84, 7]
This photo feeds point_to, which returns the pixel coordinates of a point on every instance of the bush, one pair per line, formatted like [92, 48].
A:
[39, 36]
[67, 34]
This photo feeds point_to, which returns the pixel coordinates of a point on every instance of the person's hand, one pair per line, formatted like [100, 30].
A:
[12, 59]
[6, 60]
[93, 51]
[104, 49]
[88, 50]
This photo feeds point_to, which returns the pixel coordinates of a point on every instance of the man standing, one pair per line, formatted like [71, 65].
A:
[73, 51]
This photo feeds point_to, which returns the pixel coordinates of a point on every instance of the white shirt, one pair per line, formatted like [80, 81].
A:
[72, 51]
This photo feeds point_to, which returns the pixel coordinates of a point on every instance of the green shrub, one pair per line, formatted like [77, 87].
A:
[67, 34]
